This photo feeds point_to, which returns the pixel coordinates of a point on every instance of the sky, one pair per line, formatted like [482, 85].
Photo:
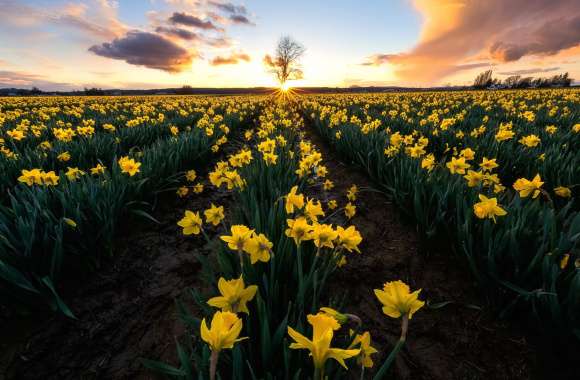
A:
[71, 44]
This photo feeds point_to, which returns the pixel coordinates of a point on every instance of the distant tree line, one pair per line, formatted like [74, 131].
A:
[486, 80]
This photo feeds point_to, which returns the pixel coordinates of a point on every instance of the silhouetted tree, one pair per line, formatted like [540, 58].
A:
[285, 65]
[94, 91]
[483, 80]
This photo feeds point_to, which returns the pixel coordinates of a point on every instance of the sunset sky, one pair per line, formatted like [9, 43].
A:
[62, 45]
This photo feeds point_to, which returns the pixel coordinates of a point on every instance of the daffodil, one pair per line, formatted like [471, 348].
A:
[457, 165]
[299, 230]
[74, 173]
[239, 238]
[129, 166]
[182, 191]
[234, 295]
[349, 210]
[526, 187]
[223, 333]
[563, 191]
[191, 223]
[324, 235]
[323, 327]
[398, 300]
[313, 210]
[190, 175]
[294, 200]
[488, 208]
[214, 214]
[363, 341]
[349, 238]
[259, 248]
[31, 177]
[99, 169]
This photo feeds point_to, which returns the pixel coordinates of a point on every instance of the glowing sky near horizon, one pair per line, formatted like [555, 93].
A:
[217, 43]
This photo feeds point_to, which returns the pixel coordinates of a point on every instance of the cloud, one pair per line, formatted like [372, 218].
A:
[228, 7]
[457, 31]
[232, 59]
[146, 49]
[98, 18]
[378, 59]
[19, 79]
[548, 39]
[186, 19]
[183, 34]
[268, 61]
[240, 19]
[529, 71]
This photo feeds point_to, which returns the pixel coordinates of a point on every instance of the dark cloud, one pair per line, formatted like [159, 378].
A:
[529, 71]
[229, 7]
[378, 59]
[218, 42]
[548, 39]
[146, 49]
[232, 59]
[186, 19]
[240, 19]
[184, 34]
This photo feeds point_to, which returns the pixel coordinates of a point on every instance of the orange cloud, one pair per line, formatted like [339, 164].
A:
[232, 59]
[458, 31]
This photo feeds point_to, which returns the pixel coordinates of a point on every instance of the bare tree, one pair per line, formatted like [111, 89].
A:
[285, 65]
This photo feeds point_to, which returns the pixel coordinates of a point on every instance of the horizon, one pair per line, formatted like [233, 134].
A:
[158, 44]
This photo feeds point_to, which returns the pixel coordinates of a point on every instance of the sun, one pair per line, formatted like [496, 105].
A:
[285, 87]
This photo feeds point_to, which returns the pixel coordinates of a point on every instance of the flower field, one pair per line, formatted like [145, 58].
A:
[490, 180]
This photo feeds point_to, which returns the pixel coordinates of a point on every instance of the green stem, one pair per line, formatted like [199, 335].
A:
[318, 373]
[300, 273]
[213, 359]
[391, 358]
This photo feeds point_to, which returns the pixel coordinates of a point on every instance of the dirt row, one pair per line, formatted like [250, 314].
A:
[461, 340]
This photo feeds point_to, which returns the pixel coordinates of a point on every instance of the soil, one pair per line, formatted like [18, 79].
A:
[126, 311]
[461, 340]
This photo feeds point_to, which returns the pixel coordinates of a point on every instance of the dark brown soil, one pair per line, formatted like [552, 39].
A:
[461, 340]
[125, 312]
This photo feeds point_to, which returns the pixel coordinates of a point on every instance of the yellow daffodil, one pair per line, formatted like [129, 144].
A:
[526, 187]
[129, 166]
[74, 173]
[239, 238]
[31, 177]
[349, 210]
[214, 214]
[488, 208]
[398, 300]
[313, 210]
[323, 327]
[98, 170]
[299, 230]
[190, 175]
[349, 238]
[182, 191]
[324, 235]
[294, 200]
[363, 341]
[234, 295]
[563, 191]
[191, 223]
[223, 333]
[259, 248]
